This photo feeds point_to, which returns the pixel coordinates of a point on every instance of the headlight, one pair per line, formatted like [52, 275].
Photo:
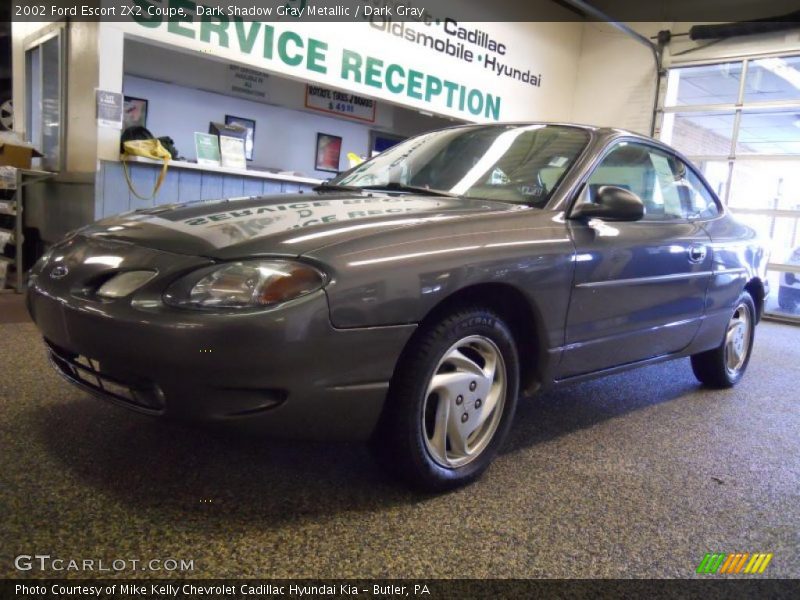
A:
[245, 284]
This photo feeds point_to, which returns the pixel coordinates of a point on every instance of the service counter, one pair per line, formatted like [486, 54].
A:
[184, 182]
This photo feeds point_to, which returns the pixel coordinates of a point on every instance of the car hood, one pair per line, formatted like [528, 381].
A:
[288, 225]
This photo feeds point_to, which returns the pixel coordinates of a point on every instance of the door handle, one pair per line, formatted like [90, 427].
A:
[697, 253]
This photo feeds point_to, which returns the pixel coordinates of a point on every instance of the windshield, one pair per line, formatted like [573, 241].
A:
[511, 163]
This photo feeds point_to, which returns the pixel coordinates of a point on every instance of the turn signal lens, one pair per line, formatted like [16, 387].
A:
[247, 284]
[124, 283]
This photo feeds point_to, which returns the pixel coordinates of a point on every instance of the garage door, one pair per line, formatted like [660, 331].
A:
[739, 121]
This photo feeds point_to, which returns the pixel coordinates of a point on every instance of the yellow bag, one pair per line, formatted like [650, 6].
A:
[149, 149]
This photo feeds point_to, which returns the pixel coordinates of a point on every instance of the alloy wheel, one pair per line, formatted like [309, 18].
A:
[737, 340]
[464, 401]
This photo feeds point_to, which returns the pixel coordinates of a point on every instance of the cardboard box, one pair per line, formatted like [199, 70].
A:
[20, 157]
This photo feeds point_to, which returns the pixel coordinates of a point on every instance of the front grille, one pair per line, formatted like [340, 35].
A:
[86, 373]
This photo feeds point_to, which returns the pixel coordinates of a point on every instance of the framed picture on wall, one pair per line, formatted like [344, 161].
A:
[329, 148]
[134, 112]
[379, 141]
[250, 126]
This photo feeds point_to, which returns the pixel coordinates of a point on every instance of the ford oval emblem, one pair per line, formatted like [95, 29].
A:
[59, 271]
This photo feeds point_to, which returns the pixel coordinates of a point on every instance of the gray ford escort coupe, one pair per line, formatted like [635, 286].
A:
[413, 299]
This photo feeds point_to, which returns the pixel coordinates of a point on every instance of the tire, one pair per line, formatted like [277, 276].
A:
[785, 301]
[456, 373]
[725, 365]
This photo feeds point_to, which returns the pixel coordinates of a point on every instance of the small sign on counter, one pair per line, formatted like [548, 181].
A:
[231, 150]
[206, 146]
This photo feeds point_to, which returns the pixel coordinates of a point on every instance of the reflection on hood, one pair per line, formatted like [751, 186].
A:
[240, 222]
[292, 224]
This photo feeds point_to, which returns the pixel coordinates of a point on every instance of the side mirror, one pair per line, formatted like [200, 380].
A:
[612, 204]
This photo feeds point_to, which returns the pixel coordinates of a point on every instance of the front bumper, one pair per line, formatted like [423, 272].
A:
[284, 371]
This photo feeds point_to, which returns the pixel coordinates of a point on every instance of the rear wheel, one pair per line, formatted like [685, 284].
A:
[724, 366]
[451, 401]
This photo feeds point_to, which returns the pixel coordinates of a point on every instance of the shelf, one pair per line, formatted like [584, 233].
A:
[15, 207]
[181, 164]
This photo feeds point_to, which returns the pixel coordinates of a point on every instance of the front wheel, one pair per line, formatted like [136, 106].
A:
[725, 365]
[451, 401]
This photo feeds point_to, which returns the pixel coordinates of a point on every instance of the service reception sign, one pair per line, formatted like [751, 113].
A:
[481, 72]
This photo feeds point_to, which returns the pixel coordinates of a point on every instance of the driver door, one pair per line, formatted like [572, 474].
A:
[639, 287]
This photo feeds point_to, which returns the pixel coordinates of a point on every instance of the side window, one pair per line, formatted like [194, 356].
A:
[655, 176]
[698, 201]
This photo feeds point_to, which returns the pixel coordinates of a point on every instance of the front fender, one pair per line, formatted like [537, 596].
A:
[401, 276]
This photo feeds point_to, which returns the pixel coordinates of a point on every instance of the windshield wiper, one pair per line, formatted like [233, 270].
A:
[335, 187]
[394, 186]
